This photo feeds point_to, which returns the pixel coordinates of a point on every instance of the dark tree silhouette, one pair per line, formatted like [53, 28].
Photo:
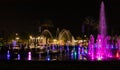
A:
[91, 25]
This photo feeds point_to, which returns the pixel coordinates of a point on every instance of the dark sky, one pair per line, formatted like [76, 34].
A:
[25, 15]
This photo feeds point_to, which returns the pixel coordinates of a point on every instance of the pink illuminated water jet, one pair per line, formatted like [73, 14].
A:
[102, 22]
[101, 42]
[102, 49]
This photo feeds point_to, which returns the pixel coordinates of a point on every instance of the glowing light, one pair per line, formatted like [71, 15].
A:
[84, 58]
[82, 51]
[93, 57]
[80, 57]
[75, 53]
[41, 38]
[107, 47]
[48, 58]
[8, 55]
[75, 56]
[17, 38]
[86, 51]
[29, 55]
[99, 59]
[68, 48]
[112, 46]
[110, 56]
[81, 41]
[79, 52]
[117, 54]
[16, 34]
[14, 43]
[84, 40]
[18, 57]
[75, 40]
[30, 37]
[54, 40]
[72, 53]
[38, 37]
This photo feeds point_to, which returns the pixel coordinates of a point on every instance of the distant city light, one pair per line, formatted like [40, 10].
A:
[17, 38]
[16, 34]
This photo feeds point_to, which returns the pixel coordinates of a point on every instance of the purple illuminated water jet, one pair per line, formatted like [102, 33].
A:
[91, 47]
[101, 50]
[29, 56]
[102, 22]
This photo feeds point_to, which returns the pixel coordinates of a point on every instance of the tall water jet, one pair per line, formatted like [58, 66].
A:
[101, 42]
[99, 49]
[102, 22]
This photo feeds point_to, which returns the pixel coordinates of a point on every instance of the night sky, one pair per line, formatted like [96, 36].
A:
[28, 15]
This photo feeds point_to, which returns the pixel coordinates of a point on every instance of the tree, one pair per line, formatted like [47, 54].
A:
[91, 25]
[47, 24]
[10, 37]
[4, 37]
[24, 37]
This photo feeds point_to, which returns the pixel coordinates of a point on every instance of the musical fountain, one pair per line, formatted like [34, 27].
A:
[104, 47]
